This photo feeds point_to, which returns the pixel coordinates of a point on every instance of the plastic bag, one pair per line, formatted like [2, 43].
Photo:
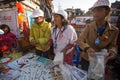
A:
[58, 60]
[65, 72]
[76, 73]
[97, 65]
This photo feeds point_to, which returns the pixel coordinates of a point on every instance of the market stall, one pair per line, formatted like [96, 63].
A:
[15, 15]
[79, 23]
[32, 67]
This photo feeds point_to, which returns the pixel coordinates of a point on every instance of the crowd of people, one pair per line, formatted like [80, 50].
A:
[99, 34]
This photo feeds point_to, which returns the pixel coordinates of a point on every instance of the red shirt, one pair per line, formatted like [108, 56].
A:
[7, 39]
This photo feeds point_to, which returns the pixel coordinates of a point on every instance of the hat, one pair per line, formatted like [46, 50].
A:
[37, 13]
[1, 31]
[62, 13]
[101, 3]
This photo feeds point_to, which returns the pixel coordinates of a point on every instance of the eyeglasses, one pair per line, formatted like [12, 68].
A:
[36, 17]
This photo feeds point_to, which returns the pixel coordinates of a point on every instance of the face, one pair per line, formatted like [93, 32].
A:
[48, 1]
[99, 13]
[57, 19]
[5, 30]
[39, 19]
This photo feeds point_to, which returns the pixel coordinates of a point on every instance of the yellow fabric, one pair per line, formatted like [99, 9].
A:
[41, 34]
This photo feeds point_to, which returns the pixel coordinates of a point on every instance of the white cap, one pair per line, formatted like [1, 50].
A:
[63, 13]
[37, 13]
[101, 3]
[1, 31]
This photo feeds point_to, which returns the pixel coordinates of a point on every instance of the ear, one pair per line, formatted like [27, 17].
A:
[108, 11]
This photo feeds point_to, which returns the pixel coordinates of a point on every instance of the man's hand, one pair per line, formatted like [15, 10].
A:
[111, 56]
[33, 42]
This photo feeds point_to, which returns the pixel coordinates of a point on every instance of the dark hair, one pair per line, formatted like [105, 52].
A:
[64, 23]
[3, 26]
[1, 54]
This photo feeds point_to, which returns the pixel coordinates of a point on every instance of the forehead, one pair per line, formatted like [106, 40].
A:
[98, 8]
[38, 17]
[56, 15]
[48, 0]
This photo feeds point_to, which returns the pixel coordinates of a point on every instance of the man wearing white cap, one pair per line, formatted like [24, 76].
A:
[99, 34]
[40, 33]
[48, 8]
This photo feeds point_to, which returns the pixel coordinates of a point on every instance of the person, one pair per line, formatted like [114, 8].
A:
[1, 32]
[98, 35]
[48, 8]
[8, 39]
[1, 53]
[40, 33]
[118, 40]
[63, 36]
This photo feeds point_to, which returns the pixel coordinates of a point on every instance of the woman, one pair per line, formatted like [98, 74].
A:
[63, 36]
[99, 34]
[8, 38]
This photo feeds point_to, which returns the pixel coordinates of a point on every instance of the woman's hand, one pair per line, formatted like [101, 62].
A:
[90, 51]
[49, 43]
[64, 51]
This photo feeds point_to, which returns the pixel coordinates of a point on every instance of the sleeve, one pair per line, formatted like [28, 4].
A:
[47, 36]
[72, 35]
[13, 37]
[83, 37]
[42, 7]
[113, 46]
[31, 37]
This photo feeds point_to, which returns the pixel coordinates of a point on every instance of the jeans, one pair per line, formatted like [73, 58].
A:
[43, 54]
[84, 64]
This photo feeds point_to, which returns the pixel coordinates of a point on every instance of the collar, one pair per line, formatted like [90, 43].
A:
[109, 26]
[41, 25]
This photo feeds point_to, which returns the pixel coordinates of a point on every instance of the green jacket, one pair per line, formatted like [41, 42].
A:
[41, 34]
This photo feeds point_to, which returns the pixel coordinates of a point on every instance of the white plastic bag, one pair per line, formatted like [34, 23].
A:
[77, 74]
[58, 59]
[65, 72]
[97, 65]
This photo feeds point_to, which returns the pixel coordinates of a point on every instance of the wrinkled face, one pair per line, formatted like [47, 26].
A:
[39, 19]
[99, 13]
[57, 19]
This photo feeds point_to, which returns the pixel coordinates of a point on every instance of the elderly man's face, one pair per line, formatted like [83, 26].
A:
[48, 1]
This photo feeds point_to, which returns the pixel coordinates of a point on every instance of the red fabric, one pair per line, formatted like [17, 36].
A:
[7, 39]
[26, 31]
[69, 46]
[68, 57]
[3, 48]
[20, 8]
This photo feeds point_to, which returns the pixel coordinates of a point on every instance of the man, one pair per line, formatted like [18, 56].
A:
[98, 35]
[47, 7]
[40, 33]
